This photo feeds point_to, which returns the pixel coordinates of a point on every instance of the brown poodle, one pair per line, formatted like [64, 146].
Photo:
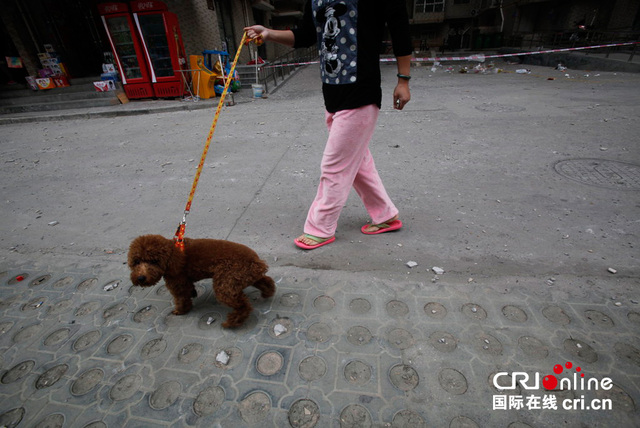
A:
[232, 266]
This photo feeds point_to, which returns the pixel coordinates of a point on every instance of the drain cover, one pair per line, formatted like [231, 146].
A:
[601, 173]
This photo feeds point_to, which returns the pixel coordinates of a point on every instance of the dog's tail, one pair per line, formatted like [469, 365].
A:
[266, 286]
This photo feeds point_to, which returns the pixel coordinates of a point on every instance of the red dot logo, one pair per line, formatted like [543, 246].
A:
[568, 365]
[549, 382]
[557, 369]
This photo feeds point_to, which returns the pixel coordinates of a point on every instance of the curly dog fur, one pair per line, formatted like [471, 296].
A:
[232, 267]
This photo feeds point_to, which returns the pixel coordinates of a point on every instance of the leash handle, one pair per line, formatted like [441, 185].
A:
[179, 236]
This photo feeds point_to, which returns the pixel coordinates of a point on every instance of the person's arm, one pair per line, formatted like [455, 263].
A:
[398, 23]
[402, 94]
[284, 37]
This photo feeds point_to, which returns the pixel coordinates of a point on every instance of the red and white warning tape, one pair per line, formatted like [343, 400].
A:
[478, 57]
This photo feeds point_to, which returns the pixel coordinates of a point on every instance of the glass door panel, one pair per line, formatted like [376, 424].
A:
[124, 46]
[155, 36]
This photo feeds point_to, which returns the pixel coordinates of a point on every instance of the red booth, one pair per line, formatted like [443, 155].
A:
[162, 44]
[127, 50]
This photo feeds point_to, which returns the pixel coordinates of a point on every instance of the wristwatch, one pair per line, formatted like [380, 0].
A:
[403, 76]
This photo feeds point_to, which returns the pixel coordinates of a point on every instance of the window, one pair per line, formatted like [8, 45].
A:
[426, 6]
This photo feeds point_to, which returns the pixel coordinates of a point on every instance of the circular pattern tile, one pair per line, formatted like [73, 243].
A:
[165, 395]
[60, 307]
[556, 315]
[27, 333]
[627, 353]
[488, 344]
[312, 368]
[443, 341]
[400, 339]
[87, 284]
[474, 311]
[18, 371]
[514, 313]
[324, 303]
[63, 282]
[145, 314]
[355, 416]
[599, 319]
[533, 347]
[119, 310]
[452, 381]
[87, 308]
[120, 344]
[357, 373]
[318, 332]
[208, 401]
[396, 308]
[125, 387]
[304, 414]
[51, 376]
[39, 280]
[57, 337]
[408, 419]
[269, 363]
[404, 377]
[255, 407]
[359, 335]
[435, 310]
[87, 340]
[580, 350]
[290, 300]
[87, 381]
[153, 348]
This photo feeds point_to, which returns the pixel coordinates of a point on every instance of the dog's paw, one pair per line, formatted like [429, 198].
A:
[177, 312]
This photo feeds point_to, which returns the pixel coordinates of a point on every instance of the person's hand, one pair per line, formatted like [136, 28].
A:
[401, 95]
[256, 31]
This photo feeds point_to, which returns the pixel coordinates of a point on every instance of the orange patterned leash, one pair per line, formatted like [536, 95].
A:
[179, 236]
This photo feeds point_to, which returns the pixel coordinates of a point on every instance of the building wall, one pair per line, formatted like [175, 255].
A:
[623, 15]
[198, 25]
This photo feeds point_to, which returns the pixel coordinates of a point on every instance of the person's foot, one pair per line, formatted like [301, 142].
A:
[387, 226]
[310, 242]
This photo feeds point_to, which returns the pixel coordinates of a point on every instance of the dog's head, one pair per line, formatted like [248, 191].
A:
[149, 259]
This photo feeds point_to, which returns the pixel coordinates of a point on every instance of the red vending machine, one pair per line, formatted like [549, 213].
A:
[162, 43]
[127, 50]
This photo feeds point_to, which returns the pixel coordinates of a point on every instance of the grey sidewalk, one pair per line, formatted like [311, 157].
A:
[523, 189]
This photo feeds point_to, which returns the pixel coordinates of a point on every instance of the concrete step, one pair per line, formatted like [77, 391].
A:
[80, 94]
[60, 105]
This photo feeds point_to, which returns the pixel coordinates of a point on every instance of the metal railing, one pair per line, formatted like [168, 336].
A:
[266, 74]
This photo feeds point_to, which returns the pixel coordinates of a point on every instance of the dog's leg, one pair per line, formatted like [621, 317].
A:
[182, 292]
[266, 286]
[230, 294]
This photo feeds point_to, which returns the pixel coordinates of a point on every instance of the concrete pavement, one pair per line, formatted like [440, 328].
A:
[524, 190]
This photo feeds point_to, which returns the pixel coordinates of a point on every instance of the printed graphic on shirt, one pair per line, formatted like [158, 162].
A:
[337, 35]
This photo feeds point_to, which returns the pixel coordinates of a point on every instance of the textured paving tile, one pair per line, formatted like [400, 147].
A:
[87, 349]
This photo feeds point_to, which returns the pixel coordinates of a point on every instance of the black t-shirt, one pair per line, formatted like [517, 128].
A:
[349, 35]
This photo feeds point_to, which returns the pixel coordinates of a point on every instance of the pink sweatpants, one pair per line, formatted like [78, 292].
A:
[347, 162]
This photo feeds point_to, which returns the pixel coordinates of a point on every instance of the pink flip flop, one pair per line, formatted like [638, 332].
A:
[382, 227]
[320, 242]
